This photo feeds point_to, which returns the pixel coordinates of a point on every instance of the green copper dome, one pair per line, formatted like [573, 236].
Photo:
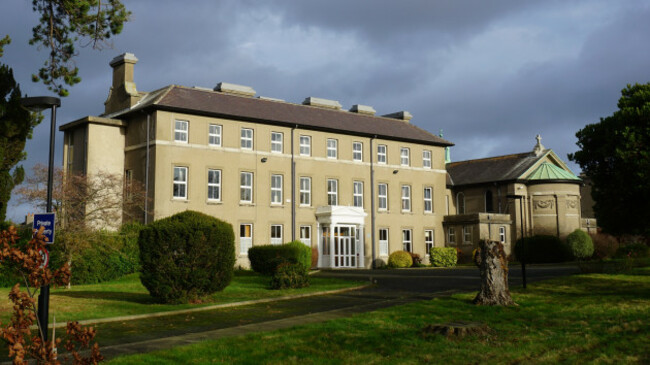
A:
[548, 171]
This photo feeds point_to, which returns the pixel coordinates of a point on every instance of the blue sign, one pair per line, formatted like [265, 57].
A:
[45, 220]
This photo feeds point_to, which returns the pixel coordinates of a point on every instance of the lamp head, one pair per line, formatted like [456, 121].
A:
[39, 103]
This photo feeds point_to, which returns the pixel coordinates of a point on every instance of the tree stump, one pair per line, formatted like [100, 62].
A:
[457, 329]
[491, 260]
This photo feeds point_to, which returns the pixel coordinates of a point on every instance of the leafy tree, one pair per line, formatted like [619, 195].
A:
[615, 154]
[86, 202]
[16, 126]
[63, 23]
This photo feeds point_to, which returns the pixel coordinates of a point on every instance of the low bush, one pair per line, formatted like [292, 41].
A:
[417, 260]
[186, 256]
[289, 275]
[266, 258]
[443, 256]
[542, 249]
[400, 259]
[633, 250]
[605, 245]
[579, 244]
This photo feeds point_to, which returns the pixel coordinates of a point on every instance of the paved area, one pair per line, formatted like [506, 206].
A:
[391, 287]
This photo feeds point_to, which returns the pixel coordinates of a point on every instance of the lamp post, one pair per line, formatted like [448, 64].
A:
[38, 104]
[523, 238]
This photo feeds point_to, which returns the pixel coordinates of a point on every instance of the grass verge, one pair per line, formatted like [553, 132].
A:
[593, 318]
[126, 296]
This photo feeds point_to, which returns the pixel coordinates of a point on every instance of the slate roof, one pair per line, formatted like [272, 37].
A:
[222, 105]
[506, 169]
[492, 169]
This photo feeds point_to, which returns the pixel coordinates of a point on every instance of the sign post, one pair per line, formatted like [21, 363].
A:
[45, 220]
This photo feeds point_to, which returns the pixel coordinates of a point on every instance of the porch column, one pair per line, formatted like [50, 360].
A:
[362, 245]
[319, 243]
[331, 228]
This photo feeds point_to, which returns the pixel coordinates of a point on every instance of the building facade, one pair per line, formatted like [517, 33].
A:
[352, 185]
[507, 197]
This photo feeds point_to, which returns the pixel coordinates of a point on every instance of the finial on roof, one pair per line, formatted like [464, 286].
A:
[539, 147]
[447, 151]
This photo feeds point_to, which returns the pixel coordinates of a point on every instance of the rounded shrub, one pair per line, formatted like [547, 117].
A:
[266, 258]
[186, 256]
[541, 249]
[443, 256]
[399, 259]
[290, 275]
[579, 244]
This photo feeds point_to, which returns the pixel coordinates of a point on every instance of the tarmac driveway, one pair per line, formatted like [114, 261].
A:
[439, 280]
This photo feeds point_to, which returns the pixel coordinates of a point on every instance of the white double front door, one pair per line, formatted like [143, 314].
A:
[345, 250]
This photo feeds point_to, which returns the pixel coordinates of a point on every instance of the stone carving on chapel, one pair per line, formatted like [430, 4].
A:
[571, 204]
[544, 204]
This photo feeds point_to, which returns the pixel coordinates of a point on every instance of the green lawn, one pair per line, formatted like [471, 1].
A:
[127, 296]
[594, 318]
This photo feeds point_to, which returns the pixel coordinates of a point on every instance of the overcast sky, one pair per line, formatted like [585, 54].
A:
[490, 74]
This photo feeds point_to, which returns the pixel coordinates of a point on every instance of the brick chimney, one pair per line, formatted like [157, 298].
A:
[123, 93]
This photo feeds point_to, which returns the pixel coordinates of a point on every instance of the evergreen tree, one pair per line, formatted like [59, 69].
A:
[615, 154]
[16, 125]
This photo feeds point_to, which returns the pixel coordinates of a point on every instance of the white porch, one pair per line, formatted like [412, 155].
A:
[340, 236]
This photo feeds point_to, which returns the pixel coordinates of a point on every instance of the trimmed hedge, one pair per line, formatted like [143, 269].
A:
[542, 249]
[290, 275]
[400, 259]
[443, 256]
[186, 256]
[266, 258]
[579, 244]
[98, 256]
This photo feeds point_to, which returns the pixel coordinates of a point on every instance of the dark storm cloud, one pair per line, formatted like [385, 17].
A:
[457, 65]
[382, 20]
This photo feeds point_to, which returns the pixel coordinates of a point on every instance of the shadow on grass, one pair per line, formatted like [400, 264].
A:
[590, 286]
[139, 298]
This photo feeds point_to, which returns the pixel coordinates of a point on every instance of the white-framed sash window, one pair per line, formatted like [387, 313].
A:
[246, 187]
[180, 182]
[382, 196]
[332, 148]
[246, 142]
[383, 242]
[214, 135]
[305, 146]
[276, 234]
[357, 198]
[245, 238]
[381, 154]
[332, 191]
[214, 185]
[181, 128]
[276, 189]
[357, 151]
[276, 142]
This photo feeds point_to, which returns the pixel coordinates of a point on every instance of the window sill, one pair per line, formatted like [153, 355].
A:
[246, 204]
[276, 206]
[304, 206]
[213, 202]
[180, 200]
